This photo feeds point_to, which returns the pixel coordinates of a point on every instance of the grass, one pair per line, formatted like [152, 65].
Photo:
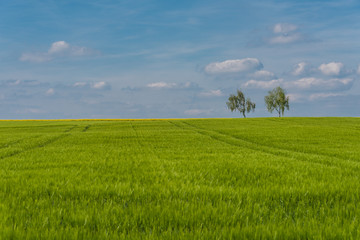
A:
[289, 178]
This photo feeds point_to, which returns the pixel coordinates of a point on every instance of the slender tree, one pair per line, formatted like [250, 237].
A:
[239, 103]
[277, 100]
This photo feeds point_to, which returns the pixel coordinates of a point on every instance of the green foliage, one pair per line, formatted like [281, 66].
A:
[287, 178]
[277, 100]
[238, 102]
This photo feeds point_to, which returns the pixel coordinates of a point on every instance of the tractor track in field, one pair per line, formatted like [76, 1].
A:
[301, 124]
[86, 128]
[11, 143]
[68, 130]
[307, 157]
[273, 147]
[40, 145]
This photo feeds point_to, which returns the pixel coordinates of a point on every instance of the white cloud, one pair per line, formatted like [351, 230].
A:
[57, 49]
[332, 68]
[59, 46]
[178, 86]
[263, 84]
[308, 82]
[263, 74]
[100, 85]
[80, 84]
[95, 85]
[284, 33]
[64, 48]
[212, 93]
[161, 85]
[345, 81]
[286, 38]
[301, 69]
[315, 96]
[50, 92]
[319, 83]
[284, 28]
[198, 111]
[234, 66]
[280, 34]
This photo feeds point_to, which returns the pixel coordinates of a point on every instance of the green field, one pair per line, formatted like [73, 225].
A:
[288, 178]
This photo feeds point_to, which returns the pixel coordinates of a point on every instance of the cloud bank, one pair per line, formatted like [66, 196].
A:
[304, 82]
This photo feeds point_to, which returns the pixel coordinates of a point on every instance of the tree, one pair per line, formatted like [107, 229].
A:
[238, 102]
[277, 100]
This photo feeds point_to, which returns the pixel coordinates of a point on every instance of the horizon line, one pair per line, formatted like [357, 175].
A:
[146, 119]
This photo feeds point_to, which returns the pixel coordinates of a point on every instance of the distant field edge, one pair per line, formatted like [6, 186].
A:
[104, 119]
[153, 119]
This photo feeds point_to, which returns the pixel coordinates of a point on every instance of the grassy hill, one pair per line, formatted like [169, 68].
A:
[198, 179]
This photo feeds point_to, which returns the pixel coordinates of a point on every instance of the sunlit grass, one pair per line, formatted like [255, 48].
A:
[196, 179]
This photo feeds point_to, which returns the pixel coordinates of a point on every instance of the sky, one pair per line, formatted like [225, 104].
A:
[176, 59]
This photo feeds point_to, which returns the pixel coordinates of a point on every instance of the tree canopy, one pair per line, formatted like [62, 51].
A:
[277, 100]
[239, 103]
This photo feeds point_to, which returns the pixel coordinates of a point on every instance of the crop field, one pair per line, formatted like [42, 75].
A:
[264, 178]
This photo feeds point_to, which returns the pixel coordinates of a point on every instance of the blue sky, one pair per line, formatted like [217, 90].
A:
[176, 59]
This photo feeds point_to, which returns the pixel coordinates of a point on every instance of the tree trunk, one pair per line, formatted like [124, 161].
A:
[244, 114]
[279, 112]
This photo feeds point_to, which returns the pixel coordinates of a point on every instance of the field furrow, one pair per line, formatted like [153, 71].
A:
[319, 158]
